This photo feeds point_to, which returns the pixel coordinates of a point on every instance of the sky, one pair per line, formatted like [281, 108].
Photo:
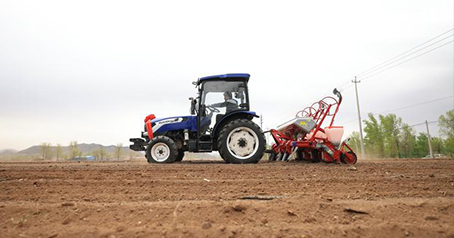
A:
[90, 71]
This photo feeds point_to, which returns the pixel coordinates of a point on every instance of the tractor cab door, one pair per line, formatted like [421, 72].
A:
[218, 98]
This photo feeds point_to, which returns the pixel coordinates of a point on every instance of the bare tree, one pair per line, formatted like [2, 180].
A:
[58, 152]
[100, 153]
[117, 151]
[73, 151]
[45, 150]
[133, 154]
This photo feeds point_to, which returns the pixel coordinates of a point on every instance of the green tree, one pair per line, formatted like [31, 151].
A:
[391, 125]
[437, 145]
[422, 145]
[449, 146]
[355, 141]
[446, 124]
[374, 137]
[407, 141]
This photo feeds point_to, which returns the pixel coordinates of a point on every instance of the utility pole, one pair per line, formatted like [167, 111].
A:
[359, 118]
[429, 139]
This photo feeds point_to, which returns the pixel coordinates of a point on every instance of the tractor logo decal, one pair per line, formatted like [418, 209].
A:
[175, 120]
[159, 124]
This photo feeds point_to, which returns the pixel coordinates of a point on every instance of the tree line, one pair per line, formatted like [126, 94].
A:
[387, 136]
[47, 151]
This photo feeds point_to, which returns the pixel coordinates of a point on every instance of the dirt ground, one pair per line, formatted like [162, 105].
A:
[375, 198]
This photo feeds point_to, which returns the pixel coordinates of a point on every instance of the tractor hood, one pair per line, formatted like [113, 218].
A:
[162, 125]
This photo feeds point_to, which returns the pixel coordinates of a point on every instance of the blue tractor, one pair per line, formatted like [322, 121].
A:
[220, 121]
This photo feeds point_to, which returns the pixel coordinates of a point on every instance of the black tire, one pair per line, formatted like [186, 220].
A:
[352, 160]
[239, 135]
[316, 156]
[161, 149]
[180, 156]
[299, 155]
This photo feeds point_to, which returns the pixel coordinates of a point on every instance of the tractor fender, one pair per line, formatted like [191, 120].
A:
[229, 117]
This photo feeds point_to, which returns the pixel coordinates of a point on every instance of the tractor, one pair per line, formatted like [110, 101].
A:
[220, 121]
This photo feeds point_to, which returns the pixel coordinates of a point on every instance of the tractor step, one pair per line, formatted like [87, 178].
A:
[205, 146]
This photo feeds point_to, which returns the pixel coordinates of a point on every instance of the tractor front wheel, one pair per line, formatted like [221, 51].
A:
[180, 156]
[241, 141]
[161, 149]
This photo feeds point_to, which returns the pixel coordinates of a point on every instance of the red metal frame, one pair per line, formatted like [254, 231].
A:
[319, 112]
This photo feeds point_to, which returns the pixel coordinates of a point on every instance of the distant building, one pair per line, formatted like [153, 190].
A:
[84, 158]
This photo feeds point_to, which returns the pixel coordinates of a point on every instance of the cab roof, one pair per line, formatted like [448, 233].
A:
[225, 77]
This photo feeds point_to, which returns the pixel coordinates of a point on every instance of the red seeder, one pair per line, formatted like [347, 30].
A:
[305, 136]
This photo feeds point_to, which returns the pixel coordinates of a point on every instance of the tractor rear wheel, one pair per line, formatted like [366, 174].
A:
[161, 149]
[241, 141]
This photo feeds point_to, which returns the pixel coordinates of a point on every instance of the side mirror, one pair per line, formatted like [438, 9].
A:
[193, 101]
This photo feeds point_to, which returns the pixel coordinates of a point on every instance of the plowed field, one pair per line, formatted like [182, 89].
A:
[375, 198]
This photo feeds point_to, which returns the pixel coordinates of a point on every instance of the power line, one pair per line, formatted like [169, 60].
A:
[345, 89]
[423, 123]
[419, 124]
[396, 59]
[386, 63]
[368, 70]
[401, 108]
[408, 60]
[403, 57]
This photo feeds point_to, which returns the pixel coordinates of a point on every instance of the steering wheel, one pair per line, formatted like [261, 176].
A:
[212, 109]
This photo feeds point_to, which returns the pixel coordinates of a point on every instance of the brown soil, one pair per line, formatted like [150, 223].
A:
[376, 198]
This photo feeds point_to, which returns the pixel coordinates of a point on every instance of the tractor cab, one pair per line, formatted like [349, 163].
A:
[220, 98]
